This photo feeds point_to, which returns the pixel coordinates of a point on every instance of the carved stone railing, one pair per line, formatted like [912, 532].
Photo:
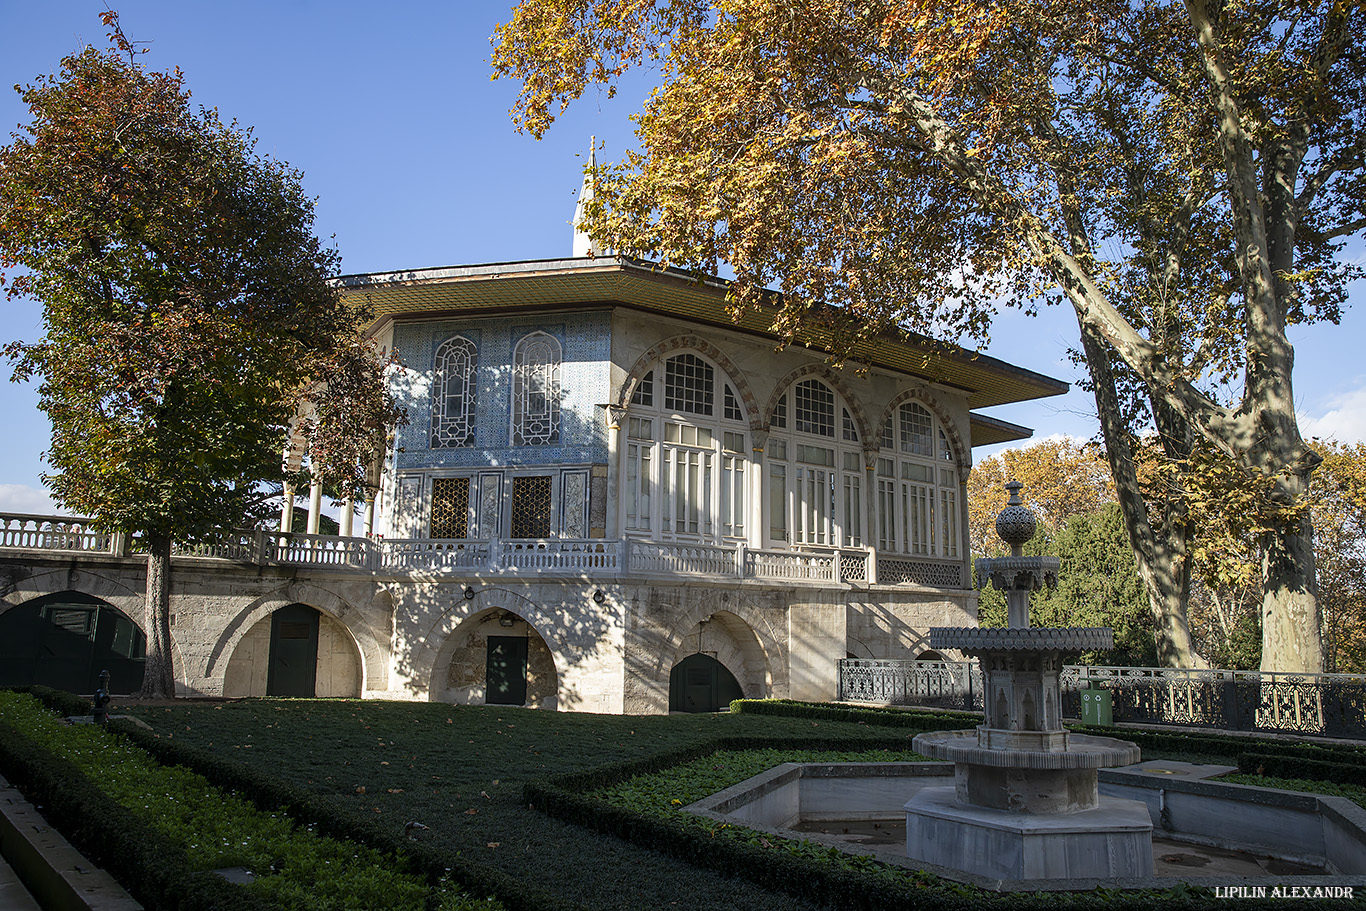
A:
[26, 532]
[1328, 704]
[550, 556]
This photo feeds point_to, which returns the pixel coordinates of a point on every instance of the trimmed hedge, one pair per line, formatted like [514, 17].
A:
[151, 866]
[1281, 766]
[811, 877]
[271, 794]
[920, 720]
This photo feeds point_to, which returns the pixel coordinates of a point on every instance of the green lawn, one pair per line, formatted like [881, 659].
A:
[460, 771]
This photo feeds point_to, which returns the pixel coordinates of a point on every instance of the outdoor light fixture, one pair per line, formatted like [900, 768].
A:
[469, 593]
[506, 619]
[599, 597]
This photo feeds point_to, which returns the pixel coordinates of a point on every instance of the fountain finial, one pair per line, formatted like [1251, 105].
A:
[1016, 523]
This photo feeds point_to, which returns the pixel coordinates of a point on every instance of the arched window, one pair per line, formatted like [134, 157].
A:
[917, 486]
[453, 393]
[814, 469]
[536, 391]
[685, 454]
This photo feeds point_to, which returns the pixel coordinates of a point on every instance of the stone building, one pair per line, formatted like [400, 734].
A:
[609, 497]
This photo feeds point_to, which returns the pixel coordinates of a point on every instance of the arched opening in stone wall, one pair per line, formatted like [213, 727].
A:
[296, 650]
[736, 665]
[700, 683]
[64, 640]
[500, 659]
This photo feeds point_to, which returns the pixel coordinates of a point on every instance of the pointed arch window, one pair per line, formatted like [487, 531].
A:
[536, 391]
[453, 393]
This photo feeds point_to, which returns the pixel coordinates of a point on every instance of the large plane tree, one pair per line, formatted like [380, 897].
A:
[1183, 175]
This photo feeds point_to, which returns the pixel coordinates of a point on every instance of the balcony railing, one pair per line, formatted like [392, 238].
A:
[550, 556]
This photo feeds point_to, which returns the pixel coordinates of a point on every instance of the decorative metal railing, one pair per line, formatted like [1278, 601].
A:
[550, 556]
[1328, 704]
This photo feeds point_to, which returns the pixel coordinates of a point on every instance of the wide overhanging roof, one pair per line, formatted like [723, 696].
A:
[595, 282]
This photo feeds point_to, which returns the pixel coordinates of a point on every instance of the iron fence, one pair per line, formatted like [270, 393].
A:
[1332, 705]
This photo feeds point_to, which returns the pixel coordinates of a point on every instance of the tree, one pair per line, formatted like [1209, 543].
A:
[1062, 478]
[1098, 585]
[186, 304]
[1338, 499]
[1182, 174]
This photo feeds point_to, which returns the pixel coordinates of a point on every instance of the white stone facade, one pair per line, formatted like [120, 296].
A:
[608, 470]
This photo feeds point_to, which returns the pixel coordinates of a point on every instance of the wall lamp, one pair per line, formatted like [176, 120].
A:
[469, 593]
[599, 597]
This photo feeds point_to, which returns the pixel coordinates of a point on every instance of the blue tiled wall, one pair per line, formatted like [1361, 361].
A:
[585, 377]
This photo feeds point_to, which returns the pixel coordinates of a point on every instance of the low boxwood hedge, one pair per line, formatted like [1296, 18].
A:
[151, 866]
[269, 792]
[803, 869]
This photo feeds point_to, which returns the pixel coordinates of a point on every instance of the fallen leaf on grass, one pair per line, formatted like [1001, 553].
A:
[360, 790]
[494, 844]
[471, 811]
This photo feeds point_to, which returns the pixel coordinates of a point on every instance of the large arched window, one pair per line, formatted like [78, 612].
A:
[917, 486]
[453, 393]
[536, 391]
[814, 494]
[685, 455]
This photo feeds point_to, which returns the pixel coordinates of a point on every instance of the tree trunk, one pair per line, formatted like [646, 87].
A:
[1291, 635]
[158, 679]
[1163, 563]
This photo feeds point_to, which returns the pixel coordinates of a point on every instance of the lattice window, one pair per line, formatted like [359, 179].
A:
[451, 508]
[917, 429]
[945, 450]
[733, 411]
[645, 391]
[453, 394]
[779, 421]
[689, 385]
[531, 507]
[850, 429]
[815, 407]
[536, 391]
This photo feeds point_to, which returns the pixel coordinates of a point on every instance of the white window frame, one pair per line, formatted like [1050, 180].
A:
[823, 499]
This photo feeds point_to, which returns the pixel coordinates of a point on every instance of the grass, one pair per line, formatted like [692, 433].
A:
[293, 866]
[460, 771]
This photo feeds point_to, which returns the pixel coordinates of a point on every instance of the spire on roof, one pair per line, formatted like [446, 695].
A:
[583, 244]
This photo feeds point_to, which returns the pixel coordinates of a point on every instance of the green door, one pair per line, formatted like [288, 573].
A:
[65, 640]
[293, 652]
[506, 671]
[700, 683]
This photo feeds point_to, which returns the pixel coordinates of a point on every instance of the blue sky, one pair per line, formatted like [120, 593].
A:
[390, 112]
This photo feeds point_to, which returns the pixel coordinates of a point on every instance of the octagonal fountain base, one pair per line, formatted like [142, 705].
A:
[1113, 839]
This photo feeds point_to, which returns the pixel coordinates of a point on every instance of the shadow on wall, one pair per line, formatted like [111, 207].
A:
[64, 640]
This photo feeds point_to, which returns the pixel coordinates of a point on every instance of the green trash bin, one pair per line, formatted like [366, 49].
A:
[1096, 707]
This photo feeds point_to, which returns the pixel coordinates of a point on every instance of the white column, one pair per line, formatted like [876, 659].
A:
[348, 517]
[287, 509]
[315, 504]
[369, 522]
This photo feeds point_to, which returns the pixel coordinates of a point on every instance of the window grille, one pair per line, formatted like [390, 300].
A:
[733, 411]
[850, 429]
[451, 508]
[917, 428]
[536, 391]
[531, 507]
[645, 391]
[689, 384]
[779, 421]
[815, 407]
[453, 394]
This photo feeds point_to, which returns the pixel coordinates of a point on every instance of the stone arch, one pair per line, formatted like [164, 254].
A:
[746, 645]
[110, 588]
[460, 663]
[443, 637]
[962, 455]
[836, 382]
[645, 363]
[373, 663]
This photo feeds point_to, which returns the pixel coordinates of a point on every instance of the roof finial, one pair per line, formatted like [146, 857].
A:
[583, 243]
